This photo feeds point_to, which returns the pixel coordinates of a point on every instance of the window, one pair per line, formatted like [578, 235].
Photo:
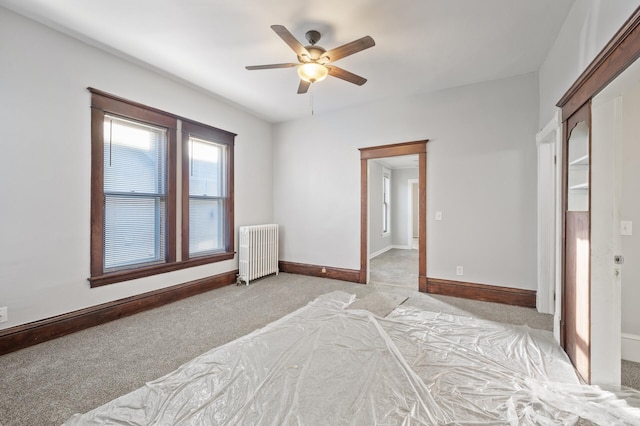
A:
[134, 202]
[205, 189]
[135, 193]
[386, 200]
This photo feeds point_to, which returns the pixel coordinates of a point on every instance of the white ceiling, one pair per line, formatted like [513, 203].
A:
[421, 45]
[399, 162]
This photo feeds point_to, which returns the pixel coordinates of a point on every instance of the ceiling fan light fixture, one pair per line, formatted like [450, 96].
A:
[312, 72]
[315, 63]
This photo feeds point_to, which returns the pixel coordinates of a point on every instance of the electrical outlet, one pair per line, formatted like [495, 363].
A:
[324, 270]
[4, 314]
[459, 270]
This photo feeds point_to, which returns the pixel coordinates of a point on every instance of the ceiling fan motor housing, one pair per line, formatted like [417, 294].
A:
[315, 53]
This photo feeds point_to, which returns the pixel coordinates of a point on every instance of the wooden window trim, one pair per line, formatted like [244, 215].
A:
[101, 103]
[100, 106]
[218, 136]
[147, 271]
[386, 226]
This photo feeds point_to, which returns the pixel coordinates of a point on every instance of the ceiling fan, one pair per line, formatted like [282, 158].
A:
[314, 62]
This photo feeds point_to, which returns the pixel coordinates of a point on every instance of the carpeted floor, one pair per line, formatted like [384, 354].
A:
[631, 374]
[47, 383]
[395, 267]
[399, 268]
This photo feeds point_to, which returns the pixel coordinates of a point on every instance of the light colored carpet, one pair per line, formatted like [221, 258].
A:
[396, 267]
[47, 383]
[631, 374]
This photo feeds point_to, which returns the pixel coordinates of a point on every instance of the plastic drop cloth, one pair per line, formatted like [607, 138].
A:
[324, 365]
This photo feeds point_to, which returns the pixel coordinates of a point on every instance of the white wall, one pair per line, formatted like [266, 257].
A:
[45, 166]
[615, 298]
[481, 173]
[588, 27]
[630, 210]
[415, 206]
[398, 231]
[378, 242]
[605, 286]
[400, 205]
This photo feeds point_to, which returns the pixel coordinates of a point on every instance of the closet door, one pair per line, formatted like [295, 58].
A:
[576, 313]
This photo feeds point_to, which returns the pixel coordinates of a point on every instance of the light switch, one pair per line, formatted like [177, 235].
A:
[626, 227]
[438, 215]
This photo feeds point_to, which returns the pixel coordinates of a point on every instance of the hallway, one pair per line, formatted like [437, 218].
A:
[396, 267]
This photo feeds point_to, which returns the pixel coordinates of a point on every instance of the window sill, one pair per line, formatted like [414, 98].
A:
[147, 271]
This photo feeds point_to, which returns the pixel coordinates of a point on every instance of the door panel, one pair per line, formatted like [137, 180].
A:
[577, 291]
[576, 300]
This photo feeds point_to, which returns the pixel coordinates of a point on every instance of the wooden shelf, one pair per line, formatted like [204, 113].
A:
[580, 186]
[581, 161]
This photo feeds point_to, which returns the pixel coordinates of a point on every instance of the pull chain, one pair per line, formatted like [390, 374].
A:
[311, 97]
[110, 139]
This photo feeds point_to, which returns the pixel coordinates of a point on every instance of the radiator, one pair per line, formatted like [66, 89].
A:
[258, 252]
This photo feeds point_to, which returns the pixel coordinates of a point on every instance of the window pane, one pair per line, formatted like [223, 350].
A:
[133, 230]
[386, 189]
[134, 157]
[134, 171]
[206, 168]
[384, 218]
[206, 225]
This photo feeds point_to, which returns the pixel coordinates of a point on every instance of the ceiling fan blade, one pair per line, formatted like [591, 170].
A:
[270, 66]
[290, 40]
[349, 48]
[346, 75]
[303, 87]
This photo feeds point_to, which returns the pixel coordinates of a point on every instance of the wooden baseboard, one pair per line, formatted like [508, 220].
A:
[350, 275]
[22, 336]
[422, 284]
[487, 293]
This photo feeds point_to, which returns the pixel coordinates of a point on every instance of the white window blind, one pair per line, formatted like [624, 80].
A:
[134, 193]
[207, 197]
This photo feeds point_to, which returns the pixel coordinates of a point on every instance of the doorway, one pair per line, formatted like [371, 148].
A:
[393, 260]
[418, 148]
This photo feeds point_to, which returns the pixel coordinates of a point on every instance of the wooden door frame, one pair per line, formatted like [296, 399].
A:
[622, 51]
[617, 56]
[395, 150]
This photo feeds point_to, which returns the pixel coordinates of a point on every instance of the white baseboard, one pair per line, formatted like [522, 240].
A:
[379, 252]
[386, 249]
[631, 347]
